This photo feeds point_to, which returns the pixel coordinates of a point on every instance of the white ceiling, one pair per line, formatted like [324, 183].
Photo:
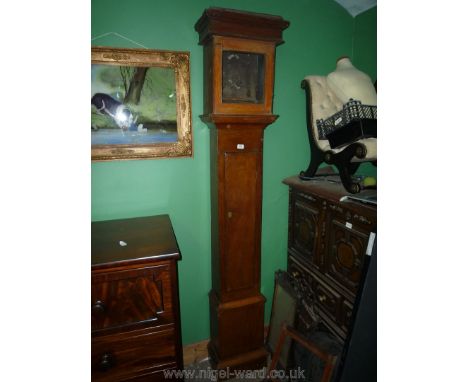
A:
[355, 7]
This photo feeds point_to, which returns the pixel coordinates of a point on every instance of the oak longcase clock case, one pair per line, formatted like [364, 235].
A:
[239, 57]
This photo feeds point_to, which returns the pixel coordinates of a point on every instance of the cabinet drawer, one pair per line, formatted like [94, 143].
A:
[125, 297]
[133, 354]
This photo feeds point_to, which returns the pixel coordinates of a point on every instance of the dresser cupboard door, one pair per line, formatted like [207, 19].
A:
[347, 244]
[126, 297]
[304, 228]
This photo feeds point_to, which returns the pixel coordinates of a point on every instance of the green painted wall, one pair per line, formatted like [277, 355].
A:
[365, 42]
[364, 57]
[320, 31]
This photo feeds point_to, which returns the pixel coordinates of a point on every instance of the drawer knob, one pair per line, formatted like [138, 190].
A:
[99, 307]
[107, 361]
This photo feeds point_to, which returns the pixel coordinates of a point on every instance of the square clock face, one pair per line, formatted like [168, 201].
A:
[243, 77]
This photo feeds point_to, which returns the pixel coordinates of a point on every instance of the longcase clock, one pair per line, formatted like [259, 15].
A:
[239, 57]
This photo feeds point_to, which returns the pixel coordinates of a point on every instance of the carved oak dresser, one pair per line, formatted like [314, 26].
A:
[327, 242]
[135, 319]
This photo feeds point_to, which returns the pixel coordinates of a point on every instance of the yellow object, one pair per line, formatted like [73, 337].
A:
[369, 181]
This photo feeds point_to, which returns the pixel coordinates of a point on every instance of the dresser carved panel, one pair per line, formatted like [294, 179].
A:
[346, 247]
[135, 319]
[327, 244]
[304, 233]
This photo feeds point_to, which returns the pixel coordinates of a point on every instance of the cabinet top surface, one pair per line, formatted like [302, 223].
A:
[330, 190]
[132, 240]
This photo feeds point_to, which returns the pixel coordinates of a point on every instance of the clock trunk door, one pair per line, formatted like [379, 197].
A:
[241, 207]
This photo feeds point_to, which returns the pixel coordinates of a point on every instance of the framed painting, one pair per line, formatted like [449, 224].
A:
[140, 104]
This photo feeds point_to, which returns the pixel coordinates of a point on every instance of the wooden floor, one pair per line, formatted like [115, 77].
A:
[195, 353]
[201, 371]
[197, 363]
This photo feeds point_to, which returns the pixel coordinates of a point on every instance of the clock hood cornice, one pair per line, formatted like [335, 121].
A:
[226, 22]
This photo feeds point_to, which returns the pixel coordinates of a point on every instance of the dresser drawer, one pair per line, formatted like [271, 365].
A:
[328, 300]
[126, 297]
[316, 292]
[346, 314]
[144, 354]
[303, 277]
[323, 301]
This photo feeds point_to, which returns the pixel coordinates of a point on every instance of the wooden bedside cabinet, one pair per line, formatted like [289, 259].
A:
[135, 317]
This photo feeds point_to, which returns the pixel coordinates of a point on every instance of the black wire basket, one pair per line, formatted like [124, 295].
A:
[356, 121]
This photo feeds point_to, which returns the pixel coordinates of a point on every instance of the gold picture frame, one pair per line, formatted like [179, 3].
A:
[140, 104]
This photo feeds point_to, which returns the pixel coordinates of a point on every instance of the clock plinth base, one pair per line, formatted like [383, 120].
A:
[253, 360]
[237, 333]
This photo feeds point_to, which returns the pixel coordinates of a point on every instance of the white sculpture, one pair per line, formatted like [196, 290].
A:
[326, 96]
[348, 82]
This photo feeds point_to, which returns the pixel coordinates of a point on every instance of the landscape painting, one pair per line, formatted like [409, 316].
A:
[140, 104]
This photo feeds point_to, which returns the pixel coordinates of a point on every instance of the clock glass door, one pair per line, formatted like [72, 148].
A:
[243, 77]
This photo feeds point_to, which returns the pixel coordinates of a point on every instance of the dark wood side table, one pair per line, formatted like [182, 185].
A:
[135, 317]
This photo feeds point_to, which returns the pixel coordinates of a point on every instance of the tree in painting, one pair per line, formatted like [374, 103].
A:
[133, 87]
[128, 99]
